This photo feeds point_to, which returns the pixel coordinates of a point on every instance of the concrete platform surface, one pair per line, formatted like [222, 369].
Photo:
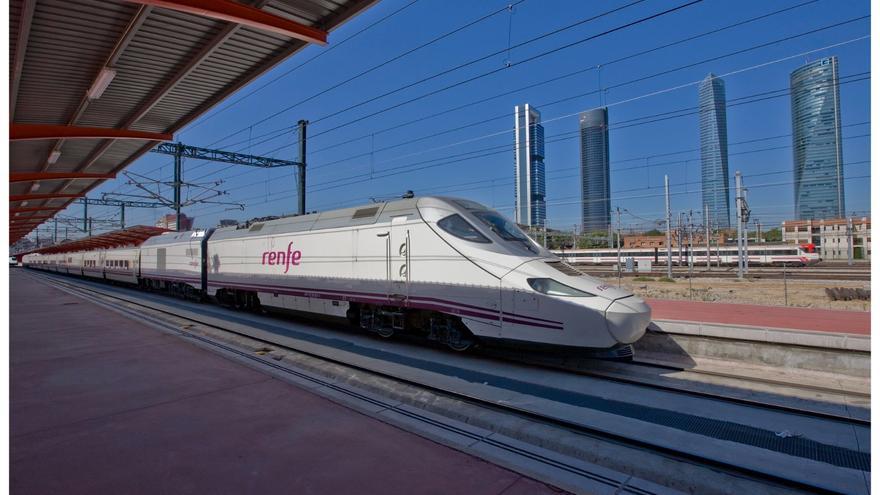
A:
[104, 404]
[808, 319]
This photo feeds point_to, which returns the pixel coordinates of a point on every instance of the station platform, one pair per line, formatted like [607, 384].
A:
[750, 315]
[101, 403]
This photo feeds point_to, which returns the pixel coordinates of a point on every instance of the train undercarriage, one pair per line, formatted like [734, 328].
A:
[384, 321]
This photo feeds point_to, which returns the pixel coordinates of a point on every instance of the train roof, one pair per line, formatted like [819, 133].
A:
[130, 237]
[332, 219]
[366, 214]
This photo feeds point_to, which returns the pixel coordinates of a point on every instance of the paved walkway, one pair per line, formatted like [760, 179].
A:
[104, 404]
[816, 320]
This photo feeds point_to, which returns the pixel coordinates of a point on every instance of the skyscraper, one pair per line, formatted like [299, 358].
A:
[713, 151]
[529, 187]
[595, 174]
[816, 141]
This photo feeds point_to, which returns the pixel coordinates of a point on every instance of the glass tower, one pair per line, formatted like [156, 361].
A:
[595, 175]
[816, 141]
[713, 151]
[529, 189]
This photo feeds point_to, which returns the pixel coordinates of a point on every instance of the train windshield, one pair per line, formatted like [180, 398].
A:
[505, 229]
[459, 227]
[499, 225]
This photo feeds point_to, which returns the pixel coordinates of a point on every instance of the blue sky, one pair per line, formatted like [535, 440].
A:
[347, 166]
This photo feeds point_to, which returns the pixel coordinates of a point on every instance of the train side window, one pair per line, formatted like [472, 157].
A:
[459, 227]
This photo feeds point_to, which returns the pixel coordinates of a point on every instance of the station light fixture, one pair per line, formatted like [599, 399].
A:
[35, 187]
[105, 77]
[54, 156]
[24, 203]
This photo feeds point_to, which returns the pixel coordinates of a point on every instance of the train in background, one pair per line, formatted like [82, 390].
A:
[760, 254]
[450, 270]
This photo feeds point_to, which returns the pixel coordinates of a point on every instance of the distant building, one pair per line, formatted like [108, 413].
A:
[816, 141]
[170, 222]
[829, 236]
[595, 171]
[529, 186]
[713, 151]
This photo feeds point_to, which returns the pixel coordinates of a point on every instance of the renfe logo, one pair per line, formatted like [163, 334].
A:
[282, 258]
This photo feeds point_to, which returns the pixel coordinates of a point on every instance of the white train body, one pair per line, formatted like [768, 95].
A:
[121, 264]
[761, 254]
[450, 269]
[173, 260]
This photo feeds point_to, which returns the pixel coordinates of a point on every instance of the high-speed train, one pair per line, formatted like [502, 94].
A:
[448, 269]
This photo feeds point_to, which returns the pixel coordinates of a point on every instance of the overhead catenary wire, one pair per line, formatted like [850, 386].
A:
[379, 66]
[647, 77]
[778, 95]
[503, 148]
[295, 68]
[496, 149]
[280, 132]
[286, 73]
[566, 75]
[567, 201]
[505, 67]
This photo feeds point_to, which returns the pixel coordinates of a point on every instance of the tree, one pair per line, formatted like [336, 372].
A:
[773, 235]
[654, 232]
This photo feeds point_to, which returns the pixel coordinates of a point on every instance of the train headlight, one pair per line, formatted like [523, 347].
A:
[553, 288]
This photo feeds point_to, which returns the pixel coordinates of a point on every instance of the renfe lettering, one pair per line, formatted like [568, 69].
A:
[285, 258]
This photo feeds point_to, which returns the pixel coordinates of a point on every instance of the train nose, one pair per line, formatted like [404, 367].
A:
[628, 319]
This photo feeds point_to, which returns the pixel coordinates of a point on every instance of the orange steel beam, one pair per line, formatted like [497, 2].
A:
[227, 10]
[28, 197]
[29, 225]
[28, 219]
[13, 211]
[13, 218]
[38, 176]
[17, 60]
[22, 132]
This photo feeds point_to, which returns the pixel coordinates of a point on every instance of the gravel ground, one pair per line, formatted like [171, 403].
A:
[801, 293]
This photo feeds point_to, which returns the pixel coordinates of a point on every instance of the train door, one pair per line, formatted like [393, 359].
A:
[399, 257]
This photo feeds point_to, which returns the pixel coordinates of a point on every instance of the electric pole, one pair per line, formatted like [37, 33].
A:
[745, 230]
[618, 246]
[739, 225]
[680, 237]
[690, 246]
[302, 125]
[849, 241]
[178, 182]
[708, 246]
[668, 231]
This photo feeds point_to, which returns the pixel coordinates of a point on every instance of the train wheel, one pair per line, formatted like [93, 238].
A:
[461, 345]
[459, 338]
[385, 332]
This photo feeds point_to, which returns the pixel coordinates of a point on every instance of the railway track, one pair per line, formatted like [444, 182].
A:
[170, 320]
[595, 369]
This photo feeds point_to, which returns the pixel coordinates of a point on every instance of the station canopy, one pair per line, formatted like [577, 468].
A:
[95, 84]
[132, 236]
